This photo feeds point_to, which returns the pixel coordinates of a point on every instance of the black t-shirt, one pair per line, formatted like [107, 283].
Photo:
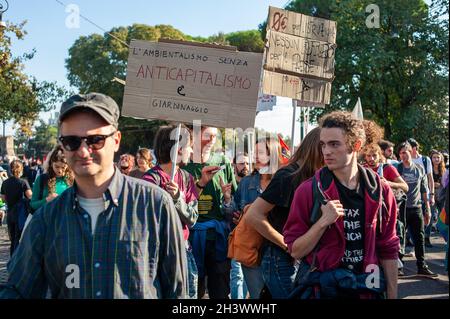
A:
[280, 193]
[14, 188]
[437, 178]
[353, 202]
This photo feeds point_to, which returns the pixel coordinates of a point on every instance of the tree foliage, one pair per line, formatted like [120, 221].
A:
[248, 41]
[400, 70]
[43, 140]
[22, 97]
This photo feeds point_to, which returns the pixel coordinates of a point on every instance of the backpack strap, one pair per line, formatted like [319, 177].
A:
[383, 208]
[316, 213]
[400, 168]
[155, 176]
[318, 199]
[424, 162]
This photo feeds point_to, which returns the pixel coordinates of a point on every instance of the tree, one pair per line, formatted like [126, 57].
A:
[95, 60]
[249, 41]
[399, 70]
[43, 141]
[22, 97]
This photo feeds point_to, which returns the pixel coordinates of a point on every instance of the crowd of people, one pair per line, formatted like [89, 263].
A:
[145, 226]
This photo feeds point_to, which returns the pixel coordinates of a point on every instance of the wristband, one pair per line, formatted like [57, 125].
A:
[198, 185]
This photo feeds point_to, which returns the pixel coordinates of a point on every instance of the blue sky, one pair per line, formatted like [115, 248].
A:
[48, 34]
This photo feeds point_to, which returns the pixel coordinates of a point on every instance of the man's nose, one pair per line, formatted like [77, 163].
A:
[84, 150]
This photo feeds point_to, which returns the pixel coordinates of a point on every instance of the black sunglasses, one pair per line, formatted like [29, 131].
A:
[72, 143]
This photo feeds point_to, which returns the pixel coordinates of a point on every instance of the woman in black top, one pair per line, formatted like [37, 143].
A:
[269, 213]
[13, 191]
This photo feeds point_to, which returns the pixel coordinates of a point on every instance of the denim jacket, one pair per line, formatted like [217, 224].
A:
[248, 191]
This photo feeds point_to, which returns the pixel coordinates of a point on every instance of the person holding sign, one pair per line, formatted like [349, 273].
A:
[182, 187]
[209, 237]
[110, 235]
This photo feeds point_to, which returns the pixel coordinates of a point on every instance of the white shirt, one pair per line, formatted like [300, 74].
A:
[427, 170]
[419, 161]
[94, 206]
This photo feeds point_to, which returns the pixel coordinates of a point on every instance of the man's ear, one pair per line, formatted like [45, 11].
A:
[117, 138]
[357, 146]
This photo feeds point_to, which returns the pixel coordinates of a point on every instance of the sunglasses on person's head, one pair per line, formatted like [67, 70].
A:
[72, 143]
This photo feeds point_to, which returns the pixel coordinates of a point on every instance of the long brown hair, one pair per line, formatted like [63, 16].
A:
[273, 150]
[146, 155]
[441, 165]
[308, 157]
[57, 155]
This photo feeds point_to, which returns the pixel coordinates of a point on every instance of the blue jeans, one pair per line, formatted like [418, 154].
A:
[279, 270]
[434, 214]
[192, 273]
[238, 287]
[254, 279]
[443, 229]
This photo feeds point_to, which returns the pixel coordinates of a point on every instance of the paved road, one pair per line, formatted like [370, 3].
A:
[410, 287]
[416, 287]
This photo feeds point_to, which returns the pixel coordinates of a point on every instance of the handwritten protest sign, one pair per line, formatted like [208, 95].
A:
[180, 82]
[303, 89]
[301, 25]
[299, 57]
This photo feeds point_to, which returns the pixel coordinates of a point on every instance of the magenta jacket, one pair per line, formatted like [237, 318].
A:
[332, 244]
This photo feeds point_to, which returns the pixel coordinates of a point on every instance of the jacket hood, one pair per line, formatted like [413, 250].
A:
[372, 182]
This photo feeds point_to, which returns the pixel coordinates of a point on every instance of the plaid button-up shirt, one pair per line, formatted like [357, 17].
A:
[137, 250]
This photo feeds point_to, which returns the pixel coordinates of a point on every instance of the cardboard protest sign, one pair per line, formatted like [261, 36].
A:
[289, 53]
[180, 82]
[303, 89]
[301, 25]
[299, 57]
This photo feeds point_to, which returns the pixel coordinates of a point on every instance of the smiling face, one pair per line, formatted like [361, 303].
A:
[336, 153]
[142, 163]
[124, 161]
[85, 161]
